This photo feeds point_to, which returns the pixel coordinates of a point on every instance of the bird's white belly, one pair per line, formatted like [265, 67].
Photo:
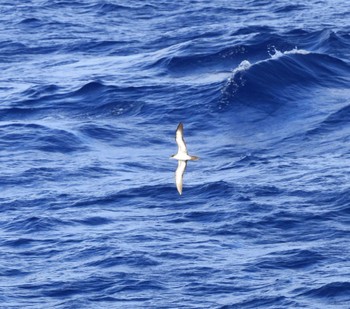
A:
[182, 156]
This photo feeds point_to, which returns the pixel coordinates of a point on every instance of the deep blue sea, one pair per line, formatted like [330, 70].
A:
[91, 93]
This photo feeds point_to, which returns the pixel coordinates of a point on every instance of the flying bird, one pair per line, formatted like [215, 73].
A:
[182, 156]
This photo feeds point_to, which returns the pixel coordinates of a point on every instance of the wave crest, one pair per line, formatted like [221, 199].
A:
[282, 78]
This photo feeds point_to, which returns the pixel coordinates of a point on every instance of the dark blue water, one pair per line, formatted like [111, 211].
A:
[91, 92]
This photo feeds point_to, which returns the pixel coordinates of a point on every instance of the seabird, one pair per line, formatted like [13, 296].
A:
[182, 156]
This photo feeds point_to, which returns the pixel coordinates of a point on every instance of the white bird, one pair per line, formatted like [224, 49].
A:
[182, 156]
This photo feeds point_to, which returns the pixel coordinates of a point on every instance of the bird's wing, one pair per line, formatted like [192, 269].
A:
[180, 138]
[181, 167]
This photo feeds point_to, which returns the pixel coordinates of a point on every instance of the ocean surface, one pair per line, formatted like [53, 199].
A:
[91, 93]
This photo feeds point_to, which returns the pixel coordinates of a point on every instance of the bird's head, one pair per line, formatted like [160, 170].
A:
[172, 156]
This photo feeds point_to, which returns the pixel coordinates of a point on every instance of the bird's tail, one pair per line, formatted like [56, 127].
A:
[194, 158]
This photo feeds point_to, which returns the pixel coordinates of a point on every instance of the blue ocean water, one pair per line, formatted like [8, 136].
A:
[91, 92]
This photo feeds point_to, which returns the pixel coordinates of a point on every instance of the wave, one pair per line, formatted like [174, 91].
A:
[257, 43]
[186, 57]
[334, 123]
[292, 259]
[283, 79]
[254, 43]
[289, 8]
[32, 21]
[332, 291]
[105, 8]
[91, 100]
[32, 224]
[21, 137]
[107, 99]
[323, 41]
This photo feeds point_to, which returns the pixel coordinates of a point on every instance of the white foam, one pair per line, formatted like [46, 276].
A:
[243, 66]
[275, 54]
